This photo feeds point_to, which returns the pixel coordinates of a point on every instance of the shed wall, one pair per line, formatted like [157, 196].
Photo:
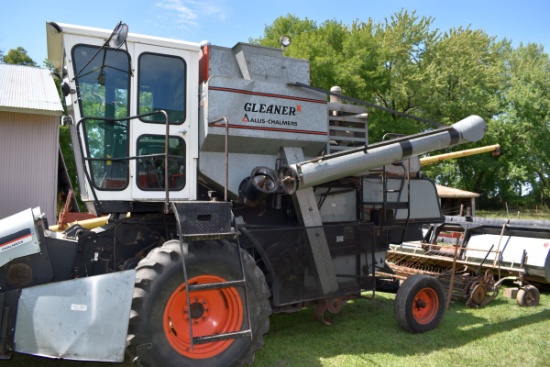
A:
[28, 165]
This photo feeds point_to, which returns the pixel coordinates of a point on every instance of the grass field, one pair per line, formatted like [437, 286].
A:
[516, 213]
[365, 333]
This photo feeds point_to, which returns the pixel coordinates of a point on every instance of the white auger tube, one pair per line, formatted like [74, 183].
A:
[356, 161]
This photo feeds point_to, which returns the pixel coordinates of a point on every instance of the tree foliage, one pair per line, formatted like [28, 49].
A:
[523, 126]
[18, 56]
[404, 65]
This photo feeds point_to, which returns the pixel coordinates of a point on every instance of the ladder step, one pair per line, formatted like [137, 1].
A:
[224, 336]
[216, 285]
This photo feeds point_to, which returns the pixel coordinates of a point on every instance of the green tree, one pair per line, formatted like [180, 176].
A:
[404, 65]
[288, 25]
[465, 76]
[397, 74]
[48, 65]
[523, 126]
[18, 56]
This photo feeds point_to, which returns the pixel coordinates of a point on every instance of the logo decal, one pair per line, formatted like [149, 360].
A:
[271, 109]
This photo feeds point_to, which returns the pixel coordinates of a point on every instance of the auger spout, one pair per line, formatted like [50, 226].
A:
[355, 161]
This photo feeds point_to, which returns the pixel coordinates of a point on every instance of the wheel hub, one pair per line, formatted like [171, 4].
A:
[425, 306]
[420, 303]
[199, 310]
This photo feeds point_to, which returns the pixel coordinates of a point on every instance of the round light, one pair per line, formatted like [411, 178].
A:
[284, 41]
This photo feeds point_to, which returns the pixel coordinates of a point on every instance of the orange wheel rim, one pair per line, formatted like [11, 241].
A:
[425, 306]
[212, 312]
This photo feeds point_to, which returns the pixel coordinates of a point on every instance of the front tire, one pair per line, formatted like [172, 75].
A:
[419, 304]
[159, 324]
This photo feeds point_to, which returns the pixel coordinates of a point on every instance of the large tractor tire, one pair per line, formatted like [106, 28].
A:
[420, 304]
[159, 324]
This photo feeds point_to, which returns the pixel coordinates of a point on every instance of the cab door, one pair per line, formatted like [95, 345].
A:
[166, 79]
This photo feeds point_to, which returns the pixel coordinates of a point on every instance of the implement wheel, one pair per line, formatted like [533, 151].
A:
[419, 304]
[528, 296]
[159, 325]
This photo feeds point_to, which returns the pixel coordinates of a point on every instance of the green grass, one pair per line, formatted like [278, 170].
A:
[365, 333]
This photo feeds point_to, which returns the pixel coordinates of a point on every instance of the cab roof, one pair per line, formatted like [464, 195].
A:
[55, 32]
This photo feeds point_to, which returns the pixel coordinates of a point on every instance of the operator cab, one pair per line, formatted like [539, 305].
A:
[115, 84]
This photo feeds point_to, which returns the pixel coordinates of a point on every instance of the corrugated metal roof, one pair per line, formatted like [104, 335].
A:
[28, 89]
[452, 193]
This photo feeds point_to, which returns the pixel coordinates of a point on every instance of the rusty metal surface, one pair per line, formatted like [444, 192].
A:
[333, 306]
[463, 281]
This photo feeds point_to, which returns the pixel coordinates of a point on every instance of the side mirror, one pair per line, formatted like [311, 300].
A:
[119, 35]
[65, 89]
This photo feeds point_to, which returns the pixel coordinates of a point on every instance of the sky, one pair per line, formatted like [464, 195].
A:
[226, 22]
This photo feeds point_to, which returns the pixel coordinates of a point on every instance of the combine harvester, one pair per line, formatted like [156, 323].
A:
[473, 257]
[227, 202]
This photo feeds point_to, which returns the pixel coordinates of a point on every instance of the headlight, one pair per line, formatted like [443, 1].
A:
[284, 41]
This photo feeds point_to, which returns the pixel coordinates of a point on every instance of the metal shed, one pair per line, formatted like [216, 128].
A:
[29, 140]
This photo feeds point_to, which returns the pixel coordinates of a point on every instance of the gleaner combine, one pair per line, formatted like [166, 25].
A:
[230, 196]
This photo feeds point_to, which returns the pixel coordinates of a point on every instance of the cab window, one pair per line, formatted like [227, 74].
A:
[151, 163]
[103, 81]
[161, 86]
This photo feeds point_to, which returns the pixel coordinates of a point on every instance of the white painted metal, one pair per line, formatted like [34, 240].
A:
[60, 44]
[18, 235]
[187, 131]
[510, 252]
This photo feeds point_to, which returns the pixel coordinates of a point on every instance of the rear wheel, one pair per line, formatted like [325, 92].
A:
[419, 304]
[159, 325]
